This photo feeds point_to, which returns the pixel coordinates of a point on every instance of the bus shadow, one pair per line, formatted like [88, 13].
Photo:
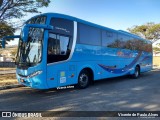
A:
[120, 79]
[98, 83]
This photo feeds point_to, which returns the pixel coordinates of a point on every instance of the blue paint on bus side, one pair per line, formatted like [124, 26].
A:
[85, 56]
[121, 70]
[104, 62]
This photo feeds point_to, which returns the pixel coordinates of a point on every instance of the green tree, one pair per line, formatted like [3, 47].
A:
[19, 8]
[156, 49]
[5, 30]
[150, 31]
[10, 9]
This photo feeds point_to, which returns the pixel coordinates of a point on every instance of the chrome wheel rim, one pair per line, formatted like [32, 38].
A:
[83, 79]
[136, 73]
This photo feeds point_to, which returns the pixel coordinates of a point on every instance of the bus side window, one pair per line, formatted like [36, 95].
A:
[89, 35]
[109, 39]
[58, 48]
[124, 42]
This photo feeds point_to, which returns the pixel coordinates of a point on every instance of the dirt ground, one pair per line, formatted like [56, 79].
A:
[3, 69]
[156, 61]
[8, 79]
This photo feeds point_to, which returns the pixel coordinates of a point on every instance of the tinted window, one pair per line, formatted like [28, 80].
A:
[58, 48]
[123, 40]
[138, 44]
[62, 26]
[148, 47]
[89, 35]
[129, 43]
[109, 39]
[37, 20]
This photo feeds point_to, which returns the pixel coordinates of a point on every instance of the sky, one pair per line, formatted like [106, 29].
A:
[115, 14]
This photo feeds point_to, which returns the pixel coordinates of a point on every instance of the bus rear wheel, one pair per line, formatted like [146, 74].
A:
[136, 72]
[83, 79]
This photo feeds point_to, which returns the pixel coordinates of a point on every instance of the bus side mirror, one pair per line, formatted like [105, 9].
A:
[3, 43]
[3, 40]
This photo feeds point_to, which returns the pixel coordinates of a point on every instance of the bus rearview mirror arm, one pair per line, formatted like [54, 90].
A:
[3, 40]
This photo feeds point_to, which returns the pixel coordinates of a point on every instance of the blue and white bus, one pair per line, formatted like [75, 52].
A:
[58, 50]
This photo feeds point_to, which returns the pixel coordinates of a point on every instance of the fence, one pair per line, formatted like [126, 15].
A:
[7, 64]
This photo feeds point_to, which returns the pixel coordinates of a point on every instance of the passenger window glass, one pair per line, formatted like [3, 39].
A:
[122, 41]
[58, 48]
[89, 35]
[64, 44]
[53, 45]
[109, 39]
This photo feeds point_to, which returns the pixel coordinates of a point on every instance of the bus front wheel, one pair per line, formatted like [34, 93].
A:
[136, 72]
[83, 79]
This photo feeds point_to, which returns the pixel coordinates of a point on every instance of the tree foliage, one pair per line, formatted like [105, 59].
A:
[6, 30]
[150, 31]
[10, 9]
[156, 49]
[18, 8]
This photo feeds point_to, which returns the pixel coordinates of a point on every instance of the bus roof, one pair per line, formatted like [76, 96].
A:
[57, 15]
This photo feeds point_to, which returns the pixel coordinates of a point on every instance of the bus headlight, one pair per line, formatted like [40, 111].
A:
[34, 74]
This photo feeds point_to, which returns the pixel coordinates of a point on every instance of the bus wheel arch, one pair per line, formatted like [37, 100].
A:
[137, 72]
[85, 77]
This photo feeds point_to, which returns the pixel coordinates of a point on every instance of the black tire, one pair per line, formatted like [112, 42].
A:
[136, 73]
[83, 79]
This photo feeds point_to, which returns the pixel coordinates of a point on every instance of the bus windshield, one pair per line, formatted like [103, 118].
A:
[30, 52]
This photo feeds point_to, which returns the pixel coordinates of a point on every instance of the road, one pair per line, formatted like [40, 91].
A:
[116, 94]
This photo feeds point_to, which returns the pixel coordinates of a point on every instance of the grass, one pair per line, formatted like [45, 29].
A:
[8, 79]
